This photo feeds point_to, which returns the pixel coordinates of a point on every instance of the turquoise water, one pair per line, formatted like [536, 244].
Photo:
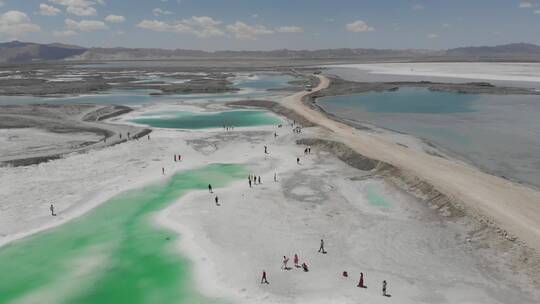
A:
[376, 198]
[114, 254]
[266, 82]
[255, 89]
[406, 100]
[498, 133]
[116, 97]
[189, 120]
[448, 135]
[127, 97]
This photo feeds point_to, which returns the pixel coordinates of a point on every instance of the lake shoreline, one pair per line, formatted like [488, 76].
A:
[323, 195]
[368, 119]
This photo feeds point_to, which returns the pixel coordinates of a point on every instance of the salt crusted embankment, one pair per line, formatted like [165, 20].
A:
[483, 232]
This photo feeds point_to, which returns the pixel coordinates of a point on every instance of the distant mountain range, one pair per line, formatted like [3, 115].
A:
[20, 52]
[513, 49]
[16, 51]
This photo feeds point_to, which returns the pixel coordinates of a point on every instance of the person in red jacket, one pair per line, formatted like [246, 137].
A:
[296, 261]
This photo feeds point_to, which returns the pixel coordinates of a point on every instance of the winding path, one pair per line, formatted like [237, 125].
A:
[513, 207]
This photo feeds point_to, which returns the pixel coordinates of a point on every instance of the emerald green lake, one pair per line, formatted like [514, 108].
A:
[189, 120]
[114, 254]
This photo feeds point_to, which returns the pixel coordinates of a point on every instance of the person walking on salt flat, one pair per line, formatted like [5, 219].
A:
[384, 288]
[361, 282]
[263, 279]
[210, 188]
[52, 210]
[217, 201]
[321, 248]
[296, 261]
[285, 262]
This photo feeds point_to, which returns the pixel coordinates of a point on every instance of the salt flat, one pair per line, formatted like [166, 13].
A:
[500, 72]
[425, 256]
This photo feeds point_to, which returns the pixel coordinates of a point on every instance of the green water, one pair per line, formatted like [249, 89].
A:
[405, 100]
[115, 254]
[189, 120]
[375, 197]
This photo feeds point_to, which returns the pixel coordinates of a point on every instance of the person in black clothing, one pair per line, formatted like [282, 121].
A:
[263, 279]
[321, 248]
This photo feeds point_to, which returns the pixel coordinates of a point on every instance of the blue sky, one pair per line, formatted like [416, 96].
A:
[271, 24]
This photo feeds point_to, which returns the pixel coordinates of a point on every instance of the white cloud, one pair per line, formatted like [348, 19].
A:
[205, 27]
[203, 21]
[159, 12]
[537, 12]
[433, 36]
[48, 10]
[2, 3]
[525, 5]
[359, 26]
[101, 2]
[418, 7]
[78, 7]
[255, 16]
[64, 34]
[81, 11]
[160, 26]
[85, 25]
[289, 29]
[16, 23]
[201, 26]
[240, 30]
[115, 19]
[446, 25]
